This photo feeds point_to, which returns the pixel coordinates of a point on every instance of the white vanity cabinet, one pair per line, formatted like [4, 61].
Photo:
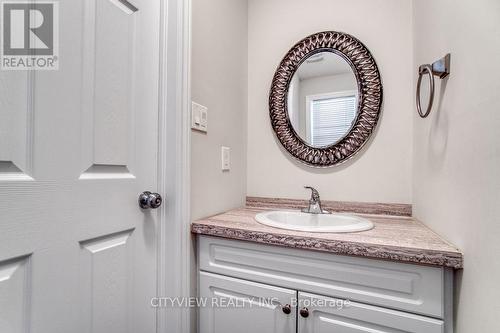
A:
[265, 281]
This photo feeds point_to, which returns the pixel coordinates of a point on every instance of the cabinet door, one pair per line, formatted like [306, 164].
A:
[326, 315]
[230, 305]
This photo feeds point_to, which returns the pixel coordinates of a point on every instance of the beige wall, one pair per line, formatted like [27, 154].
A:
[382, 172]
[457, 149]
[219, 81]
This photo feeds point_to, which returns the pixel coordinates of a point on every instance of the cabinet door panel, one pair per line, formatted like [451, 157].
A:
[328, 315]
[234, 305]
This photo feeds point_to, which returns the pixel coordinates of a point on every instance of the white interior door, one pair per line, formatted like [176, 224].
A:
[77, 147]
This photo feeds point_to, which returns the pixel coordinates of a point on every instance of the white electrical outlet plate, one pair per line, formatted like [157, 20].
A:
[199, 117]
[226, 158]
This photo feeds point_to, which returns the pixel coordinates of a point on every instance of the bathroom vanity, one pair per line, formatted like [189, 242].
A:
[396, 277]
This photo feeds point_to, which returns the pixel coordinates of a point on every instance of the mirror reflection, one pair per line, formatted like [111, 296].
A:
[323, 99]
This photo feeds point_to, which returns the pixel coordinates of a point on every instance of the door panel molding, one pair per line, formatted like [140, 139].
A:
[106, 273]
[108, 103]
[125, 5]
[15, 294]
[16, 131]
[102, 243]
[99, 171]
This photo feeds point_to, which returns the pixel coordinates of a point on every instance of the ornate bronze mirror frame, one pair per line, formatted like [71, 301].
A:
[369, 98]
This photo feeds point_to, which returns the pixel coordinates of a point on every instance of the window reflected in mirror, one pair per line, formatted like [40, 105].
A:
[322, 99]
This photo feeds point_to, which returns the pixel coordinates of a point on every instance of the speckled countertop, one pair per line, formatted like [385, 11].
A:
[394, 237]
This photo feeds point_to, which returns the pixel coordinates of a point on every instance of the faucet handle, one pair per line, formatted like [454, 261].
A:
[314, 193]
[314, 203]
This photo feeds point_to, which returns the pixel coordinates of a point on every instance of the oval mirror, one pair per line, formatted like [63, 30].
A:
[325, 98]
[322, 100]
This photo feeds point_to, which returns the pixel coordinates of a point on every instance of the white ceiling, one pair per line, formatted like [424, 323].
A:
[332, 64]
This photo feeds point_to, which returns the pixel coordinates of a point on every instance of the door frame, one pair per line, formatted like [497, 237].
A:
[174, 250]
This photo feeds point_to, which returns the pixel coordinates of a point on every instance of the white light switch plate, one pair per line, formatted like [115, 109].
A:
[199, 117]
[226, 158]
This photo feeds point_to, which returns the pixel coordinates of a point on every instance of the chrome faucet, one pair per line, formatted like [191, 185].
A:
[314, 203]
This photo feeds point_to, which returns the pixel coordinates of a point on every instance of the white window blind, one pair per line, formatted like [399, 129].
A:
[331, 119]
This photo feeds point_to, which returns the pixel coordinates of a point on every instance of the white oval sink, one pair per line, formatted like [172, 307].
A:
[299, 221]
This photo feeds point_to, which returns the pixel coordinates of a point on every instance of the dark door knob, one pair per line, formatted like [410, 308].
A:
[149, 200]
[287, 309]
[304, 312]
